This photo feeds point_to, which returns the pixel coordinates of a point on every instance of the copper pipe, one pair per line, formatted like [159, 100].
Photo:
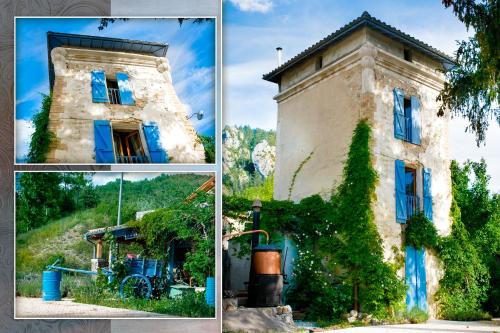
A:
[236, 234]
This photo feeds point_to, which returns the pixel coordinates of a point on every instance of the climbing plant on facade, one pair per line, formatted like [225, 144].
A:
[41, 137]
[331, 264]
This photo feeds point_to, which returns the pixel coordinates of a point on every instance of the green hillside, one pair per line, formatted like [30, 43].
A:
[62, 237]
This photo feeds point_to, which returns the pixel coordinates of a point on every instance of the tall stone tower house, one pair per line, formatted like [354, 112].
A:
[113, 101]
[370, 70]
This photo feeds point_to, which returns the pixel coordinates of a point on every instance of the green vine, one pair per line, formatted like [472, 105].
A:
[331, 263]
[421, 232]
[41, 137]
[294, 177]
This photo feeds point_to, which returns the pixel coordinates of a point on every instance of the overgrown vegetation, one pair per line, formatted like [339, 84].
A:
[208, 143]
[471, 253]
[421, 232]
[61, 238]
[41, 137]
[332, 268]
[191, 222]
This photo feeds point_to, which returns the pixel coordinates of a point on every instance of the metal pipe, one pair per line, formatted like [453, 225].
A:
[120, 202]
[256, 206]
[236, 234]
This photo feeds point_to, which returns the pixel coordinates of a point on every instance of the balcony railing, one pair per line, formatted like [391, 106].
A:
[412, 205]
[132, 159]
[114, 96]
[408, 129]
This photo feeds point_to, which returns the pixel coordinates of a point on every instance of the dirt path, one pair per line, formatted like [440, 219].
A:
[36, 308]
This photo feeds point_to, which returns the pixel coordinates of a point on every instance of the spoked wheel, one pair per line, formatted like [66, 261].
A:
[135, 286]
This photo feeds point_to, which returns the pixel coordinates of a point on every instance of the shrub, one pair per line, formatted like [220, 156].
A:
[421, 232]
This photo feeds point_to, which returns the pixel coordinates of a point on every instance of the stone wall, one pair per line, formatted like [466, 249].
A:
[73, 112]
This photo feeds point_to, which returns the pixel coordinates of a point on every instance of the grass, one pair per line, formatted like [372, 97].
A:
[471, 315]
[416, 316]
[84, 290]
[189, 305]
[37, 248]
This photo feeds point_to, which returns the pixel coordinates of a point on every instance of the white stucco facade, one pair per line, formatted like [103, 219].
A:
[73, 111]
[318, 109]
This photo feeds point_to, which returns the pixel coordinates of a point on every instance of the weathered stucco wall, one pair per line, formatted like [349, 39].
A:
[318, 110]
[73, 112]
[316, 119]
[423, 82]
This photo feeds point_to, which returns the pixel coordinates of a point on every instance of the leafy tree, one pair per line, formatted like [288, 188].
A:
[41, 137]
[209, 146]
[38, 200]
[472, 89]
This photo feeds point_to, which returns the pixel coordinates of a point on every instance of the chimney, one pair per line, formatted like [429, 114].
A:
[279, 50]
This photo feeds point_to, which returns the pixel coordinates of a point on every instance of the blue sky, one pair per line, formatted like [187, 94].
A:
[254, 28]
[191, 54]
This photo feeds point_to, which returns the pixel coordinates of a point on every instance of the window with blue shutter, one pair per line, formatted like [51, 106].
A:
[99, 91]
[399, 114]
[156, 153]
[400, 181]
[415, 276]
[427, 194]
[415, 120]
[103, 142]
[125, 89]
[406, 117]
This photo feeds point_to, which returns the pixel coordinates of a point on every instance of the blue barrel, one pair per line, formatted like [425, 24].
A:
[210, 291]
[51, 282]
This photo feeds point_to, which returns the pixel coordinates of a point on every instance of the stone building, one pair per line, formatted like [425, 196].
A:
[370, 70]
[113, 101]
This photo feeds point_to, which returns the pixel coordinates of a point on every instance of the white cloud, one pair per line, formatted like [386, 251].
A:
[260, 6]
[24, 130]
[101, 178]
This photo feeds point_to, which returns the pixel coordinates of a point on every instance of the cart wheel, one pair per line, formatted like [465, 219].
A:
[135, 286]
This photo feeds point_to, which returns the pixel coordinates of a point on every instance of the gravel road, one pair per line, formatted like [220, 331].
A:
[36, 308]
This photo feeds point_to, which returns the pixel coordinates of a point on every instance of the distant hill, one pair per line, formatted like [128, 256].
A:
[248, 157]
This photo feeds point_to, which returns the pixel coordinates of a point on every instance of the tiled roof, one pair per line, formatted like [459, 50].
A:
[365, 20]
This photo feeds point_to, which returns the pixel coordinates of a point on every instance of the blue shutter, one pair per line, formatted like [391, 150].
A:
[400, 192]
[415, 120]
[99, 91]
[421, 280]
[125, 89]
[411, 277]
[152, 135]
[103, 142]
[427, 183]
[399, 114]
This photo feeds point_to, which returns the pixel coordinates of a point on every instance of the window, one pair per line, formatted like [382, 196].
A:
[113, 91]
[109, 89]
[128, 143]
[412, 200]
[408, 120]
[407, 55]
[128, 146]
[407, 191]
[406, 117]
[319, 63]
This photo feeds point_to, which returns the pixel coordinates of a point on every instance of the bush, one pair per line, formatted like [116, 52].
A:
[421, 232]
[467, 315]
